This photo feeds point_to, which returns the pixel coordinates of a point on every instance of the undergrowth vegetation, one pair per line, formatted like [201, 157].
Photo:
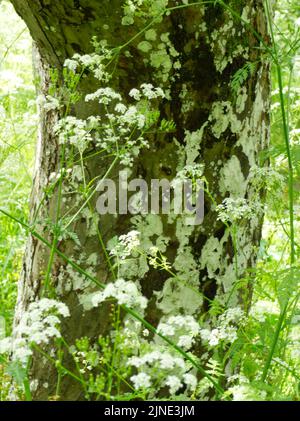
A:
[251, 355]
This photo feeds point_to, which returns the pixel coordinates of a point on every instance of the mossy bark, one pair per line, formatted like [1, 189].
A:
[229, 130]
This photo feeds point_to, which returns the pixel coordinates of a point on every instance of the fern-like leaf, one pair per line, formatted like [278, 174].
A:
[242, 75]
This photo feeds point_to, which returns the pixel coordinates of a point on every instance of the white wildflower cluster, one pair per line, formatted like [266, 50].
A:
[232, 210]
[182, 329]
[174, 384]
[147, 91]
[226, 328]
[39, 324]
[122, 126]
[125, 292]
[159, 366]
[126, 244]
[81, 358]
[75, 131]
[141, 381]
[190, 172]
[246, 392]
[104, 96]
[162, 368]
[143, 8]
[264, 308]
[94, 62]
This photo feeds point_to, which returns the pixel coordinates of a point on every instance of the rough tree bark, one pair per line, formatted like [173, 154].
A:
[224, 130]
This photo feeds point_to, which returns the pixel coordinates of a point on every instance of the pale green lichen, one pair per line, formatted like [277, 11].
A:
[211, 256]
[151, 35]
[254, 126]
[220, 42]
[232, 179]
[242, 96]
[193, 144]
[164, 58]
[144, 46]
[176, 298]
[223, 116]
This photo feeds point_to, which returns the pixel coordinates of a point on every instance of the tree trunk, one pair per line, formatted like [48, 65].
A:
[225, 129]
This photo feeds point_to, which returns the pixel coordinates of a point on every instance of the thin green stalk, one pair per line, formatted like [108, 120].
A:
[59, 373]
[53, 361]
[274, 343]
[114, 351]
[27, 390]
[285, 119]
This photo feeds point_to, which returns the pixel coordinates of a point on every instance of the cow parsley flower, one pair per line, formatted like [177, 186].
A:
[263, 308]
[141, 381]
[245, 392]
[164, 367]
[264, 177]
[75, 131]
[120, 108]
[94, 62]
[174, 384]
[48, 103]
[160, 358]
[189, 172]
[104, 96]
[225, 329]
[150, 92]
[182, 329]
[190, 380]
[38, 325]
[71, 64]
[232, 210]
[127, 243]
[125, 292]
[52, 103]
[135, 93]
[157, 260]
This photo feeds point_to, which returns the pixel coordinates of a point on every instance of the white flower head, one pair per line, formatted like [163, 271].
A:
[127, 243]
[232, 210]
[174, 384]
[136, 94]
[190, 380]
[71, 64]
[141, 381]
[104, 96]
[182, 329]
[150, 92]
[38, 325]
[125, 292]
